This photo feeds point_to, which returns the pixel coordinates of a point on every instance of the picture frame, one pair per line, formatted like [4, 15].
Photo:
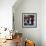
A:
[29, 20]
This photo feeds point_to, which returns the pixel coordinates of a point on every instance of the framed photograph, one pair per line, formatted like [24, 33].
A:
[29, 20]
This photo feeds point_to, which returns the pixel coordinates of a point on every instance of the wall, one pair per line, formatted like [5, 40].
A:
[28, 6]
[43, 22]
[6, 13]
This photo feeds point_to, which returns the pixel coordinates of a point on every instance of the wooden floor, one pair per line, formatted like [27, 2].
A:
[9, 43]
[17, 40]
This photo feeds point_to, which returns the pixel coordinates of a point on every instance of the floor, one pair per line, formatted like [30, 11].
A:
[16, 41]
[9, 43]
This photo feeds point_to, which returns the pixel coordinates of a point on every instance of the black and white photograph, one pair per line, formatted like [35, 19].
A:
[29, 20]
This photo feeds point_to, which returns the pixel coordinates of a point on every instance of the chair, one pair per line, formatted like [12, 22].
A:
[18, 39]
